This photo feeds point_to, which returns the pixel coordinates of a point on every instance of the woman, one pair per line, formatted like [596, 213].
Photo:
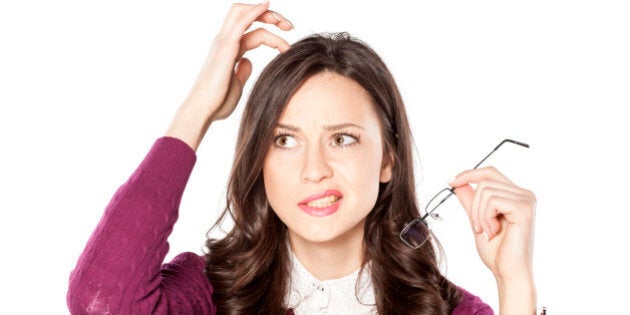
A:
[320, 188]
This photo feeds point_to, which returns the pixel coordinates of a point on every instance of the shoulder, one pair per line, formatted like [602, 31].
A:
[471, 304]
[185, 261]
[186, 267]
[188, 287]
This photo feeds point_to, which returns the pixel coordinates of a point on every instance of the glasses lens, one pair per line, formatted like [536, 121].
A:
[415, 233]
[441, 207]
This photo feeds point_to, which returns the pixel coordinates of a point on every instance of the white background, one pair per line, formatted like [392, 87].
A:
[86, 87]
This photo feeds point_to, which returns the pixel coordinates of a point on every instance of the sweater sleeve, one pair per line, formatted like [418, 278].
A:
[120, 270]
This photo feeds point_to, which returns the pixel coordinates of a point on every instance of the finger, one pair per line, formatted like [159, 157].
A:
[478, 175]
[275, 18]
[243, 70]
[259, 37]
[523, 208]
[484, 190]
[231, 99]
[465, 194]
[504, 205]
[487, 216]
[241, 17]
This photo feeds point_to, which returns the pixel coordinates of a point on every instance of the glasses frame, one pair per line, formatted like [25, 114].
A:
[433, 211]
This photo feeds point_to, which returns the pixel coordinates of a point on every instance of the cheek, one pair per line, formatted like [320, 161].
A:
[270, 180]
[276, 176]
[361, 173]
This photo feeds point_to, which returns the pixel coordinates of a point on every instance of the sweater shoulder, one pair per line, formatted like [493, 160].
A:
[185, 283]
[471, 304]
[186, 261]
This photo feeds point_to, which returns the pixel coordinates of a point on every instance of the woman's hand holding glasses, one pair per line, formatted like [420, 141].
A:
[502, 217]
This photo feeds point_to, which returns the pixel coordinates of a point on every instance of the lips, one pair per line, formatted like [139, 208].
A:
[323, 204]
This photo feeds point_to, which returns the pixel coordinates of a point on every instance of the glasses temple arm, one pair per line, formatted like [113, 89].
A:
[451, 190]
[498, 146]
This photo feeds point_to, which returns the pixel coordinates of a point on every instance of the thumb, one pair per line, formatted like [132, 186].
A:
[465, 194]
[243, 70]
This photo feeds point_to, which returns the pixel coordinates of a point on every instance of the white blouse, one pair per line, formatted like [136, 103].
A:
[308, 295]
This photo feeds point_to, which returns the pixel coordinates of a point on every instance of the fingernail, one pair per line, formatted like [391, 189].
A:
[277, 16]
[486, 235]
[281, 18]
[450, 182]
[477, 228]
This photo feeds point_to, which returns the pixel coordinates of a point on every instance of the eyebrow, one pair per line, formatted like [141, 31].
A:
[326, 127]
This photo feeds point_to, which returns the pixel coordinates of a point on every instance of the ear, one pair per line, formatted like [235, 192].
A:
[386, 167]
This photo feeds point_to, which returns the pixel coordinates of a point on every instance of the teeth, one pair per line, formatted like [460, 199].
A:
[323, 202]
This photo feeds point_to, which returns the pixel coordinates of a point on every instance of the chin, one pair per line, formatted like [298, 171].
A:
[327, 235]
[319, 238]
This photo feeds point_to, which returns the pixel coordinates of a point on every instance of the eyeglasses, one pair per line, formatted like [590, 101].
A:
[417, 232]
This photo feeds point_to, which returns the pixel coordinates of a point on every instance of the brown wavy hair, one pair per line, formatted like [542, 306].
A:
[249, 267]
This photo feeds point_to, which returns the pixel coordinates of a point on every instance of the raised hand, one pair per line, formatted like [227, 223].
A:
[219, 85]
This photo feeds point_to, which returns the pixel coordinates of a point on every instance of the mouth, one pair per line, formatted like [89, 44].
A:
[323, 204]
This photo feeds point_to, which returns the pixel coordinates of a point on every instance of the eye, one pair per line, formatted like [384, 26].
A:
[342, 139]
[285, 141]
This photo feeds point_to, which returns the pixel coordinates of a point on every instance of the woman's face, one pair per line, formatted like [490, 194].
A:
[323, 169]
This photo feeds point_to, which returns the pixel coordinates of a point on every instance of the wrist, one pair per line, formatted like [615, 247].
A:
[190, 124]
[517, 295]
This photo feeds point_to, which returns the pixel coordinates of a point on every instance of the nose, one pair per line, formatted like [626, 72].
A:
[315, 167]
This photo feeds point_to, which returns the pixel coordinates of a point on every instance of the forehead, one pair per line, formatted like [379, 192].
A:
[328, 97]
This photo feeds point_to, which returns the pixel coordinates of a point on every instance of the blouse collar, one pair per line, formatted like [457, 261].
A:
[343, 295]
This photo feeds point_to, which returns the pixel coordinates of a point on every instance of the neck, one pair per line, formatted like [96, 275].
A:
[331, 259]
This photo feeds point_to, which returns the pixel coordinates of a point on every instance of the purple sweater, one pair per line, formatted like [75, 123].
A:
[121, 269]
